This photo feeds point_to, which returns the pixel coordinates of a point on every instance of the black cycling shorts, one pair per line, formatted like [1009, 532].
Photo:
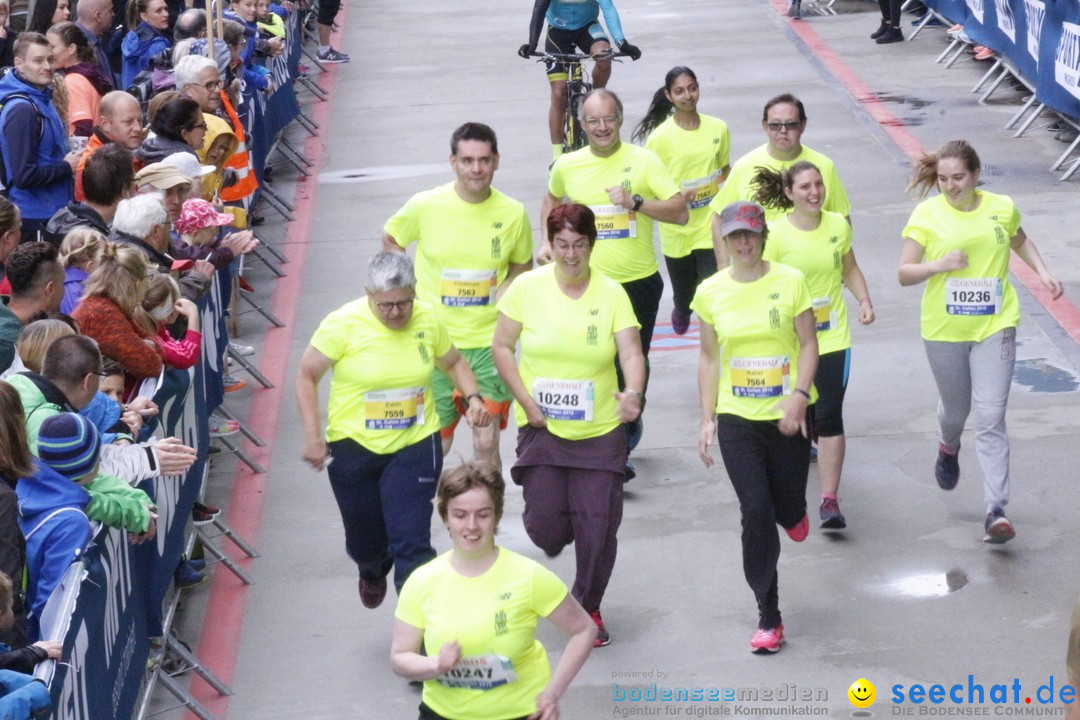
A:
[565, 41]
[328, 10]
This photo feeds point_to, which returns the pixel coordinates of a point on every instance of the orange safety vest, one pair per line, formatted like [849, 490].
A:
[240, 161]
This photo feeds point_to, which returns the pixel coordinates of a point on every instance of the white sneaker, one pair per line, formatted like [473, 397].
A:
[241, 349]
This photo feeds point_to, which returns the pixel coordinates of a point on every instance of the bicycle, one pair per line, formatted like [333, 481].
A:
[578, 85]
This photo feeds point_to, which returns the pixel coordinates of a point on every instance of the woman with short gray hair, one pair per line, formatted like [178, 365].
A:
[382, 430]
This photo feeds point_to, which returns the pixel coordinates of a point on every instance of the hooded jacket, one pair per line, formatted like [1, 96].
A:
[71, 216]
[217, 128]
[33, 143]
[52, 517]
[156, 148]
[132, 463]
[140, 44]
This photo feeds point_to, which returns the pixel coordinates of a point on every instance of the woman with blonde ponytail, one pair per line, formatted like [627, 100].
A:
[959, 243]
[111, 312]
[818, 242]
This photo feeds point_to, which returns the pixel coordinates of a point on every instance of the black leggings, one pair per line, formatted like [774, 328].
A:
[890, 11]
[686, 274]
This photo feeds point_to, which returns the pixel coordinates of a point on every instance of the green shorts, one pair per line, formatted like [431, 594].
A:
[496, 396]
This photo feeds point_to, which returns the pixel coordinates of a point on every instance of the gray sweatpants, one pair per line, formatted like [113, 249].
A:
[979, 373]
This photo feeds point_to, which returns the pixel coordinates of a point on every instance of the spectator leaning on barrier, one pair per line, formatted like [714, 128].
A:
[37, 167]
[26, 658]
[143, 222]
[108, 179]
[119, 121]
[172, 185]
[37, 285]
[111, 313]
[52, 506]
[68, 382]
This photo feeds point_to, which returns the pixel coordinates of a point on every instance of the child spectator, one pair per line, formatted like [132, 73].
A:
[116, 422]
[111, 313]
[79, 254]
[198, 227]
[164, 304]
[33, 341]
[52, 506]
[25, 658]
[269, 19]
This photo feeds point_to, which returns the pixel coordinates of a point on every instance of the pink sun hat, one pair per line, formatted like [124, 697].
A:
[197, 214]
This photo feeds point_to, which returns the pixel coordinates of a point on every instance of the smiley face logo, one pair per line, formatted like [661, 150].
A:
[862, 693]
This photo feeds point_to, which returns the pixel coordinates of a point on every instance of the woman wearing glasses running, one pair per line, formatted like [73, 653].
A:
[695, 149]
[959, 243]
[381, 445]
[818, 243]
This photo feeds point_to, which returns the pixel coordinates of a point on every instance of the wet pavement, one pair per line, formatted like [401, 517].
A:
[907, 594]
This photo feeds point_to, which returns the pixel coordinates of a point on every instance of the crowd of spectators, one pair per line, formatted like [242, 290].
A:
[126, 190]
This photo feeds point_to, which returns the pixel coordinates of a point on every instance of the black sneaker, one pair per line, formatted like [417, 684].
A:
[794, 10]
[204, 514]
[891, 35]
[947, 468]
[998, 528]
[882, 29]
[831, 517]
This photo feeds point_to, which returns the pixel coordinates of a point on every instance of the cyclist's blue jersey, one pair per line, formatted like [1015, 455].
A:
[576, 14]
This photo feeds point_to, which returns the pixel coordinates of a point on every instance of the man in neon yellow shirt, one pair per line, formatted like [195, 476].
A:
[784, 121]
[626, 187]
[472, 241]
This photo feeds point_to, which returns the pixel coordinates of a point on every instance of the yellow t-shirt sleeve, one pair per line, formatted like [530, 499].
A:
[442, 342]
[661, 184]
[522, 251]
[1012, 225]
[404, 226]
[916, 228]
[330, 338]
[548, 591]
[410, 602]
[510, 303]
[623, 316]
[701, 306]
[556, 186]
[801, 301]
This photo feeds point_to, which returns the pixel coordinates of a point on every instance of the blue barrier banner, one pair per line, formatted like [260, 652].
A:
[99, 611]
[955, 10]
[1059, 57]
[280, 107]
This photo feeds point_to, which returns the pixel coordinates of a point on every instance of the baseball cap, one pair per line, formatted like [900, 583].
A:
[742, 215]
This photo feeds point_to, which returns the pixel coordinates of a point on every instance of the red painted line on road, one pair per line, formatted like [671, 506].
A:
[1064, 312]
[223, 625]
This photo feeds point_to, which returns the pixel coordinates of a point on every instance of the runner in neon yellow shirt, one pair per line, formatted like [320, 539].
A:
[571, 449]
[784, 121]
[755, 381]
[626, 187]
[472, 241]
[477, 669]
[959, 243]
[382, 428]
[818, 243]
[695, 148]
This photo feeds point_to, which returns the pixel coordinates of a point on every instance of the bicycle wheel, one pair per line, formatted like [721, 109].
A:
[575, 138]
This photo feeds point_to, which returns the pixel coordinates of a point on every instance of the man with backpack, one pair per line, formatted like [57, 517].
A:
[37, 168]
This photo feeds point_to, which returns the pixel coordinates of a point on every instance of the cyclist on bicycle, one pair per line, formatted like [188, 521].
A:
[574, 23]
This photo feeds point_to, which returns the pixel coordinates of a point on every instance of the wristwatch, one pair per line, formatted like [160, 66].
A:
[638, 200]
